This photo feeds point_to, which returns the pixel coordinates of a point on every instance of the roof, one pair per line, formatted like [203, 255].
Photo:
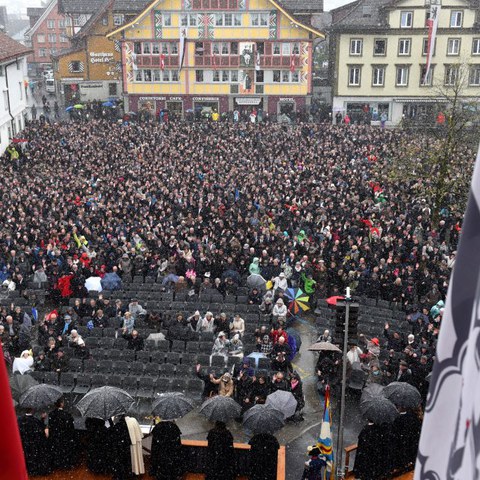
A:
[46, 11]
[10, 48]
[361, 14]
[130, 6]
[68, 51]
[303, 6]
[35, 11]
[92, 6]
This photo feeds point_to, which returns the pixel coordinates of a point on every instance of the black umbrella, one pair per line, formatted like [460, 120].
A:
[19, 384]
[357, 377]
[370, 394]
[380, 410]
[171, 405]
[256, 281]
[403, 395]
[263, 419]
[40, 396]
[231, 274]
[220, 409]
[104, 403]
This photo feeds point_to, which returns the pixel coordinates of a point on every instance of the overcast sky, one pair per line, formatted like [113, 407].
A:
[20, 6]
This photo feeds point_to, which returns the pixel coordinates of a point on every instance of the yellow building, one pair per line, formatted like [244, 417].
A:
[223, 55]
[379, 57]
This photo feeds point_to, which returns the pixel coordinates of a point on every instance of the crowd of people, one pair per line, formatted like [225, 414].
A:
[203, 206]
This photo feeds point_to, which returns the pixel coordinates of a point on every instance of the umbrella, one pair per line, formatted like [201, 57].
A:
[324, 347]
[357, 377]
[370, 394]
[93, 283]
[403, 395]
[333, 300]
[104, 403]
[283, 401]
[256, 356]
[231, 274]
[220, 409]
[20, 384]
[293, 333]
[380, 410]
[111, 281]
[69, 109]
[298, 300]
[171, 405]
[108, 104]
[78, 106]
[263, 419]
[256, 281]
[40, 396]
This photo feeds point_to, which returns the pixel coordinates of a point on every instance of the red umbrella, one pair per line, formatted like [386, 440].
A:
[333, 300]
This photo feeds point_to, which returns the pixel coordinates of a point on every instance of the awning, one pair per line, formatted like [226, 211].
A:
[419, 100]
[248, 100]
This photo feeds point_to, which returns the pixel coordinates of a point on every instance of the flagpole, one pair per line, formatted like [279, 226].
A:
[341, 466]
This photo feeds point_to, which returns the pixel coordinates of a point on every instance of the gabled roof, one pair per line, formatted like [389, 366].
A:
[303, 6]
[279, 4]
[46, 12]
[79, 6]
[362, 14]
[10, 49]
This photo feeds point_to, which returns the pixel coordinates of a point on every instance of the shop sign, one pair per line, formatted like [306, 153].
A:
[101, 57]
[287, 99]
[146, 99]
[205, 99]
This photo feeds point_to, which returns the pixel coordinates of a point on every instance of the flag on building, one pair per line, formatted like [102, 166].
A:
[162, 61]
[292, 63]
[432, 24]
[324, 442]
[257, 61]
[449, 443]
[183, 46]
[13, 461]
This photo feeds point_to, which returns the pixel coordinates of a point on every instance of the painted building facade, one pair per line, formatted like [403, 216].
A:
[46, 37]
[217, 55]
[379, 56]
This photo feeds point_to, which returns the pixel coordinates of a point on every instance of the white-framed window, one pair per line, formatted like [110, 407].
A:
[148, 75]
[137, 48]
[356, 46]
[78, 21]
[401, 78]
[474, 78]
[164, 48]
[139, 75]
[225, 76]
[259, 19]
[379, 47]
[61, 24]
[156, 76]
[451, 74]
[285, 76]
[41, 38]
[175, 77]
[456, 18]
[453, 46]
[155, 48]
[76, 66]
[378, 76]
[426, 81]
[63, 38]
[406, 19]
[199, 76]
[277, 49]
[259, 76]
[173, 48]
[53, 51]
[404, 46]
[50, 24]
[354, 75]
[118, 19]
[295, 48]
[216, 76]
[52, 38]
[146, 48]
[105, 21]
[167, 19]
[286, 49]
[188, 19]
[221, 48]
[42, 52]
[476, 46]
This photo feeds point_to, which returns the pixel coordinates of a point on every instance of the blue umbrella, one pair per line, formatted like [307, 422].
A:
[108, 104]
[68, 109]
[111, 281]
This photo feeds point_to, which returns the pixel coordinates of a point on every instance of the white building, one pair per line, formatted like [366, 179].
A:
[13, 99]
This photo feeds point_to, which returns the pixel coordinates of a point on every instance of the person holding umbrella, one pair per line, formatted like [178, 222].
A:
[263, 456]
[220, 454]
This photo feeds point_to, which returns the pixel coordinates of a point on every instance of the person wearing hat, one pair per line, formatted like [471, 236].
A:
[60, 362]
[279, 312]
[404, 373]
[235, 348]
[206, 324]
[220, 346]
[280, 283]
[315, 466]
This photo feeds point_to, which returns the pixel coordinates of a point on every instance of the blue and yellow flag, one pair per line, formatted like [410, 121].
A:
[324, 442]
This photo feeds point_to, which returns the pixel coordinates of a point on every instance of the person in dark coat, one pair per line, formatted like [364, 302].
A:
[35, 444]
[166, 456]
[220, 454]
[134, 341]
[406, 436]
[98, 446]
[210, 389]
[62, 438]
[263, 457]
[121, 455]
[373, 460]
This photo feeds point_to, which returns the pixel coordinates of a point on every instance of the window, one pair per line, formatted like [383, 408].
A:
[216, 76]
[105, 21]
[137, 48]
[295, 77]
[118, 19]
[453, 46]
[164, 48]
[259, 19]
[165, 75]
[402, 76]
[406, 19]
[146, 48]
[173, 48]
[51, 24]
[199, 48]
[451, 74]
[228, 20]
[234, 76]
[285, 76]
[221, 48]
[112, 89]
[41, 38]
[78, 21]
[139, 76]
[188, 20]
[259, 76]
[354, 76]
[147, 75]
[53, 51]
[378, 76]
[42, 52]
[237, 19]
[380, 46]
[175, 77]
[156, 75]
[456, 19]
[276, 49]
[225, 48]
[20, 86]
[428, 81]
[52, 37]
[296, 48]
[219, 19]
[199, 76]
[234, 48]
[155, 49]
[474, 79]
[476, 46]
[63, 38]
[61, 24]
[167, 19]
[276, 76]
[225, 76]
[76, 66]
[404, 46]
[286, 49]
[356, 46]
